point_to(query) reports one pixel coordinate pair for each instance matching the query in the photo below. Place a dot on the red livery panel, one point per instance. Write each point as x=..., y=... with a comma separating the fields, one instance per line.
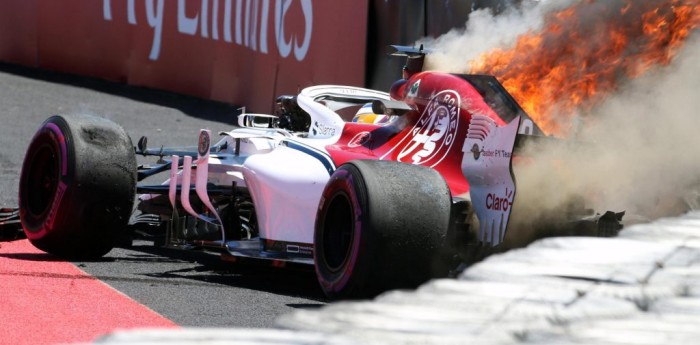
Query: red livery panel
x=431, y=135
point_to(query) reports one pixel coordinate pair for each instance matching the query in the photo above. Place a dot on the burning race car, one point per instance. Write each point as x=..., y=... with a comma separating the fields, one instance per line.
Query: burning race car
x=376, y=190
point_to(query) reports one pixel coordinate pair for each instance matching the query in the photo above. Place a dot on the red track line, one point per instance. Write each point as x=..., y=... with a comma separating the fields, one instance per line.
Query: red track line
x=46, y=301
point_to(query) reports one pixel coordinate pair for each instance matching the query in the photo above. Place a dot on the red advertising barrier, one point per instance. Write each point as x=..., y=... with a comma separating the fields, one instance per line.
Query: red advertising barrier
x=238, y=51
x=18, y=32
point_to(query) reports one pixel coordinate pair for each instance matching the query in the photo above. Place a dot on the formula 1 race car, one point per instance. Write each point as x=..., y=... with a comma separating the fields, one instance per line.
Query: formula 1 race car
x=376, y=190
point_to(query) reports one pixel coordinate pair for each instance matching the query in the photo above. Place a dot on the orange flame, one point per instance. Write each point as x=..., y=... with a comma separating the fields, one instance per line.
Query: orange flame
x=584, y=52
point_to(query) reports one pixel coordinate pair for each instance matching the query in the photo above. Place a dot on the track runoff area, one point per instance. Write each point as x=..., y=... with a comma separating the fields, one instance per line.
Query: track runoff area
x=48, y=301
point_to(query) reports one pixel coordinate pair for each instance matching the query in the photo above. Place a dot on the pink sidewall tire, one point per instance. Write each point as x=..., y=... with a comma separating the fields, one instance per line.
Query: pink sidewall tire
x=380, y=225
x=77, y=186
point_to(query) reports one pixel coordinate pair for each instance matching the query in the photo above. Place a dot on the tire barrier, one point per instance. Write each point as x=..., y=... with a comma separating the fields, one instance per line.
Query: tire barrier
x=638, y=288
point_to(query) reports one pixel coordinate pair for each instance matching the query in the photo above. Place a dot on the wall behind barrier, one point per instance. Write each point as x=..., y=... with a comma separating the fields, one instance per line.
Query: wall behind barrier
x=243, y=52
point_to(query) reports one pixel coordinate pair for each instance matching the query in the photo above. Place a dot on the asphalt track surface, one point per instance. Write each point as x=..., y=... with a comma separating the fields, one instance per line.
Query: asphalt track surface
x=169, y=288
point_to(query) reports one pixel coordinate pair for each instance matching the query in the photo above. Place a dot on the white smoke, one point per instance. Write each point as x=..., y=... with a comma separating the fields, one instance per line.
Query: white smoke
x=647, y=140
x=484, y=32
x=638, y=151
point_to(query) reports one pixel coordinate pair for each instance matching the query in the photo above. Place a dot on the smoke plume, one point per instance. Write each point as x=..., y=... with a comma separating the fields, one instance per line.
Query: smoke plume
x=635, y=144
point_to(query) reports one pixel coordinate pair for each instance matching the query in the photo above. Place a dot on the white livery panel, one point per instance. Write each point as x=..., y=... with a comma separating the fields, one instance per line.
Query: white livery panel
x=286, y=186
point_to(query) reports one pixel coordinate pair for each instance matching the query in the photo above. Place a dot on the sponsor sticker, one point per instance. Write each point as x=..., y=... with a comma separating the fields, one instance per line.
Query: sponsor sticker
x=431, y=138
x=296, y=249
x=321, y=129
x=476, y=151
x=500, y=202
x=489, y=153
x=413, y=91
x=359, y=139
x=204, y=142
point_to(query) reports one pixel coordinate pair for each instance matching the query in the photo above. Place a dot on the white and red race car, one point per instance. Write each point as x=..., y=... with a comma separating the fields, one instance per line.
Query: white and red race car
x=376, y=190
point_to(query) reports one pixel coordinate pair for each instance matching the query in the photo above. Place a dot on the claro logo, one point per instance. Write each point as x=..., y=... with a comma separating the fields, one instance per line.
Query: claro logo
x=249, y=28
x=499, y=202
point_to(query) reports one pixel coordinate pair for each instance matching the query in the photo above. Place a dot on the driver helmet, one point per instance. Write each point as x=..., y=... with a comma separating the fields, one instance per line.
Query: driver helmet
x=366, y=115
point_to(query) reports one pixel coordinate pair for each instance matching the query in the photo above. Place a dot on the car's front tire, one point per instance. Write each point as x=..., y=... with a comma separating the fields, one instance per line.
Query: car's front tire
x=77, y=186
x=380, y=225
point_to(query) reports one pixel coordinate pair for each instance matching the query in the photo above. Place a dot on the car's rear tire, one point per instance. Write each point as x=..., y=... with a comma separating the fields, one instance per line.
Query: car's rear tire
x=380, y=225
x=77, y=186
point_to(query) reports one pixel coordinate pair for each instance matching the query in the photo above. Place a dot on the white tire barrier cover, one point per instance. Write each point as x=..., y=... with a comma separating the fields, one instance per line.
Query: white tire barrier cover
x=640, y=288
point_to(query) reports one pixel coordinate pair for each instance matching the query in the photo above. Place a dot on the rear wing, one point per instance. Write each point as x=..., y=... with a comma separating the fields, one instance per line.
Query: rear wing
x=407, y=51
x=487, y=166
x=414, y=58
